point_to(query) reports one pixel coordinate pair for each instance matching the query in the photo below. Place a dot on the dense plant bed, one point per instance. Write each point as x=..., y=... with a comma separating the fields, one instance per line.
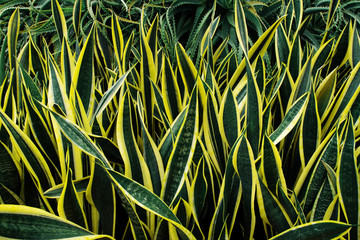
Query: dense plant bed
x=116, y=126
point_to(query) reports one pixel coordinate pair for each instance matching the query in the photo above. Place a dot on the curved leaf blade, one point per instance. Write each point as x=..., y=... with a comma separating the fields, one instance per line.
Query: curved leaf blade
x=321, y=230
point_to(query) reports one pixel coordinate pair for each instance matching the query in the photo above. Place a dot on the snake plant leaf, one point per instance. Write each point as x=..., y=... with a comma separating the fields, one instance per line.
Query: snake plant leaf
x=286, y=203
x=322, y=202
x=355, y=59
x=228, y=201
x=59, y=20
x=80, y=186
x=12, y=38
x=57, y=92
x=320, y=58
x=253, y=110
x=117, y=38
x=182, y=153
x=134, y=226
x=40, y=129
x=152, y=158
x=213, y=141
x=240, y=26
x=9, y=197
x=271, y=211
x=318, y=175
x=302, y=83
x=187, y=68
x=341, y=104
x=37, y=63
x=299, y=209
x=23, y=222
x=166, y=145
x=282, y=46
x=10, y=170
x=69, y=204
x=244, y=165
x=79, y=137
x=290, y=120
x=170, y=91
x=294, y=58
x=348, y=180
x=206, y=45
x=108, y=96
x=229, y=118
x=341, y=52
x=199, y=188
x=325, y=92
x=160, y=105
x=13, y=32
x=102, y=50
x=148, y=73
x=2, y=61
x=310, y=129
x=258, y=49
x=320, y=230
x=134, y=163
x=126, y=53
x=83, y=78
x=67, y=65
x=298, y=12
x=334, y=4
x=304, y=178
x=77, y=16
x=147, y=200
x=101, y=193
x=30, y=154
x=271, y=166
x=30, y=85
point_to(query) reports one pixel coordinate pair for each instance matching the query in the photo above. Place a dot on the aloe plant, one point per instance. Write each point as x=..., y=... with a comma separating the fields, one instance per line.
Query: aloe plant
x=128, y=141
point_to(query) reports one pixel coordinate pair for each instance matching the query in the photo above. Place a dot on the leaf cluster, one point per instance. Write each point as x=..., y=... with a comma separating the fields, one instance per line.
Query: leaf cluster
x=210, y=120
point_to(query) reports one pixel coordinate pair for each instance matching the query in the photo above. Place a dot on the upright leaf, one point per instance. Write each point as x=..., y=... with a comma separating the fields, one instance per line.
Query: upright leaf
x=187, y=68
x=69, y=204
x=244, y=164
x=348, y=181
x=12, y=37
x=253, y=110
x=182, y=153
x=240, y=26
x=30, y=154
x=271, y=166
x=229, y=118
x=83, y=77
x=129, y=150
x=59, y=20
x=310, y=130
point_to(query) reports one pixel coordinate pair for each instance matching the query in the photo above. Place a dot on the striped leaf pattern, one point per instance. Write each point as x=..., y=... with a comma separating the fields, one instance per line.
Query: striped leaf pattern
x=124, y=120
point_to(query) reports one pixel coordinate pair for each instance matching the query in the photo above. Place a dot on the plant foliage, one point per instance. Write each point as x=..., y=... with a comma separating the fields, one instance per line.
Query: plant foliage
x=244, y=121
